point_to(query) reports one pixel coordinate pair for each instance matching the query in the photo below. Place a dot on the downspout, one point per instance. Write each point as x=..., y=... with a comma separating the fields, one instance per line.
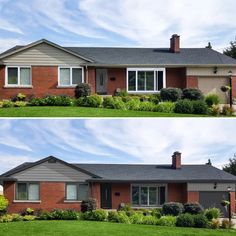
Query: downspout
x=86, y=77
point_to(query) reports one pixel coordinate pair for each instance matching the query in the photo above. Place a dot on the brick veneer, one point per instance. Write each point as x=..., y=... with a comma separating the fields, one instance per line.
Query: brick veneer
x=52, y=195
x=234, y=87
x=176, y=78
x=123, y=196
x=119, y=76
x=177, y=192
x=192, y=196
x=191, y=82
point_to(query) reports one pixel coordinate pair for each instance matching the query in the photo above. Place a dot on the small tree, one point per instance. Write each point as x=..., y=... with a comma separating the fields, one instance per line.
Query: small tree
x=231, y=50
x=209, y=45
x=231, y=167
x=209, y=162
x=3, y=205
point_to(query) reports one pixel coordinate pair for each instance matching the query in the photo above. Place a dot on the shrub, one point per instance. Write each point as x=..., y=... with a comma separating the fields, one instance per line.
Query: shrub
x=28, y=218
x=45, y=216
x=133, y=104
x=88, y=205
x=149, y=220
x=214, y=224
x=212, y=99
x=82, y=90
x=215, y=110
x=200, y=221
x=27, y=211
x=58, y=101
x=157, y=213
x=192, y=94
x=172, y=208
x=6, y=218
x=185, y=220
x=169, y=221
x=147, y=106
x=3, y=205
x=118, y=217
x=108, y=102
x=193, y=208
x=122, y=93
x=155, y=98
x=112, y=216
x=212, y=213
x=136, y=218
x=37, y=102
x=21, y=97
x=58, y=214
x=91, y=101
x=227, y=111
x=124, y=207
x=166, y=107
x=7, y=104
x=171, y=94
x=226, y=224
x=96, y=215
x=200, y=107
x=16, y=217
x=184, y=106
x=1, y=103
x=119, y=104
x=20, y=104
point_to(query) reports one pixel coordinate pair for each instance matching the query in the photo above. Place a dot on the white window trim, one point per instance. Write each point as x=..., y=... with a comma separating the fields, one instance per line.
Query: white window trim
x=18, y=85
x=146, y=185
x=69, y=67
x=155, y=70
x=27, y=201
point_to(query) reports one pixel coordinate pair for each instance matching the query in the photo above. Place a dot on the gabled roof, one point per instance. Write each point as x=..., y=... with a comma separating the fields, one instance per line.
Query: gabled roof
x=139, y=173
x=19, y=48
x=115, y=56
x=28, y=165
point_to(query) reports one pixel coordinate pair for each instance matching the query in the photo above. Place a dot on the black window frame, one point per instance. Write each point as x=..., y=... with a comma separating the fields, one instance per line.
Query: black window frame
x=27, y=191
x=77, y=190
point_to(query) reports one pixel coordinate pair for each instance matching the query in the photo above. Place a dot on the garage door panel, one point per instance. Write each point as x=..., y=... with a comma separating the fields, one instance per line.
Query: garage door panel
x=213, y=199
x=213, y=85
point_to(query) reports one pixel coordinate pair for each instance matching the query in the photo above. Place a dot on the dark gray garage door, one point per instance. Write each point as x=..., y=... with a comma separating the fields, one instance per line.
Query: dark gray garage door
x=213, y=199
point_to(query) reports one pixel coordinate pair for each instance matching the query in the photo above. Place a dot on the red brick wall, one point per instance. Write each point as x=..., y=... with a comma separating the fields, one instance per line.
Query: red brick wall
x=191, y=82
x=176, y=193
x=193, y=196
x=119, y=82
x=92, y=78
x=234, y=87
x=44, y=82
x=96, y=192
x=176, y=77
x=52, y=195
x=232, y=202
x=124, y=194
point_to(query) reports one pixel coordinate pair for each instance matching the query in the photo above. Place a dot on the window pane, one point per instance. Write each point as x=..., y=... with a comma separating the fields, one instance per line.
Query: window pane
x=12, y=76
x=131, y=81
x=152, y=196
x=76, y=75
x=83, y=192
x=159, y=82
x=25, y=76
x=135, y=195
x=64, y=76
x=162, y=195
x=150, y=80
x=71, y=191
x=21, y=191
x=33, y=192
x=141, y=81
x=144, y=195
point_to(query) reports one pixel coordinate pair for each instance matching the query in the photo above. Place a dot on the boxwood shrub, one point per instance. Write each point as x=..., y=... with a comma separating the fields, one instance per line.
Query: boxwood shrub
x=193, y=208
x=200, y=221
x=184, y=106
x=200, y=107
x=172, y=208
x=88, y=205
x=192, y=94
x=212, y=213
x=91, y=101
x=96, y=215
x=212, y=99
x=171, y=94
x=82, y=90
x=185, y=220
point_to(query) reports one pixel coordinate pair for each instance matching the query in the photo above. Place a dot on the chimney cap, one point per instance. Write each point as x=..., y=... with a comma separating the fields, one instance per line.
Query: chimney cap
x=175, y=35
x=176, y=153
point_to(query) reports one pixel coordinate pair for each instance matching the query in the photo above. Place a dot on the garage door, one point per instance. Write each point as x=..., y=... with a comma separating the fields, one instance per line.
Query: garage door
x=213, y=85
x=213, y=199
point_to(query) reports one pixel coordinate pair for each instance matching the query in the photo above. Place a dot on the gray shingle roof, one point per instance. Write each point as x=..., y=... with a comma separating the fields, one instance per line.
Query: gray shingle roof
x=188, y=173
x=153, y=56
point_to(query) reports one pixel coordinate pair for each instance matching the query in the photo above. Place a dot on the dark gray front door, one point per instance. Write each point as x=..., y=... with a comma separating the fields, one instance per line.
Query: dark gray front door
x=101, y=81
x=213, y=199
x=106, y=201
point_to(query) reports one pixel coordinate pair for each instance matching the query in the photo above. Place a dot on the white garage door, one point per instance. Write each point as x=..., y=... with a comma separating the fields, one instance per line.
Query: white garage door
x=213, y=85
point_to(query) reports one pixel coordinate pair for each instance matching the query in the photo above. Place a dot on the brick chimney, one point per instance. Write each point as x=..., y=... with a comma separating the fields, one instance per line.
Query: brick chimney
x=176, y=160
x=175, y=43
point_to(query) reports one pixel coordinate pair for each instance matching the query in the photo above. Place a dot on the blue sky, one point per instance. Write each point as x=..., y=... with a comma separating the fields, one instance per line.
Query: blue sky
x=117, y=140
x=117, y=22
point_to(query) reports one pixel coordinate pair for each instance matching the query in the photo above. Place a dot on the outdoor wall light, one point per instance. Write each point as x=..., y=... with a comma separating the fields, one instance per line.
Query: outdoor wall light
x=215, y=185
x=215, y=70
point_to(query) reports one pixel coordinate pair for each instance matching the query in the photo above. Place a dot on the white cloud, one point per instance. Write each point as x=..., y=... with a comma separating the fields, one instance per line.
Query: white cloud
x=5, y=25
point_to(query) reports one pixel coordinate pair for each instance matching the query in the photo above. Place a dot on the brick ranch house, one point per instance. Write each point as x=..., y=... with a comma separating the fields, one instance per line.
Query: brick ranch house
x=45, y=68
x=52, y=183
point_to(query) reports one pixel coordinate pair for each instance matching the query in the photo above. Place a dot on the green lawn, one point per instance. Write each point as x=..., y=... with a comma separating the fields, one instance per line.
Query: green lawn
x=86, y=228
x=80, y=112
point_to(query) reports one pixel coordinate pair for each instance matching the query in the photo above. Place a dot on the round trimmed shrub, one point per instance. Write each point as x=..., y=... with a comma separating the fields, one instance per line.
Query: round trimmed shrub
x=184, y=106
x=192, y=94
x=200, y=221
x=88, y=205
x=3, y=205
x=199, y=107
x=212, y=99
x=185, y=220
x=82, y=90
x=172, y=208
x=171, y=94
x=193, y=208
